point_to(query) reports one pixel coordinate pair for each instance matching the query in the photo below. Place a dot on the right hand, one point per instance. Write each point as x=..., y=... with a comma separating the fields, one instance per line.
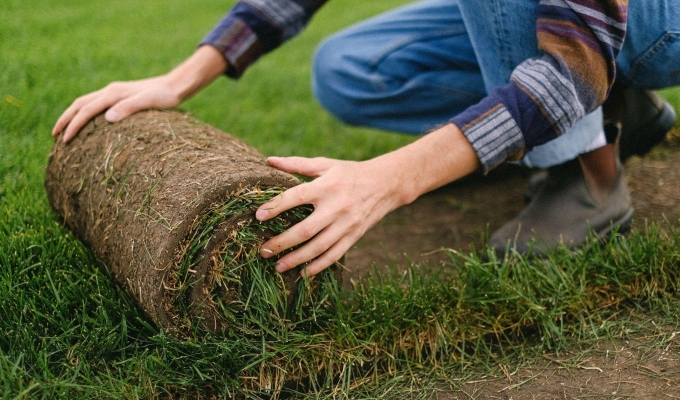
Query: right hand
x=121, y=99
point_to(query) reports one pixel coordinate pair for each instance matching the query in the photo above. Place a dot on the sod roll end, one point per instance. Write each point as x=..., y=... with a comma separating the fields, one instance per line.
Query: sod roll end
x=167, y=203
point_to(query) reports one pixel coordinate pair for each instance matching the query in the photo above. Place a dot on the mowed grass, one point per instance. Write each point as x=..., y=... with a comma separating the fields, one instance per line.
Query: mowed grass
x=67, y=331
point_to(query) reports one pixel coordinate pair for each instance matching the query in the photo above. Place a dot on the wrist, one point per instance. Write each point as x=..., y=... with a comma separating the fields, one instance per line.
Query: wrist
x=196, y=72
x=180, y=88
x=438, y=158
x=391, y=179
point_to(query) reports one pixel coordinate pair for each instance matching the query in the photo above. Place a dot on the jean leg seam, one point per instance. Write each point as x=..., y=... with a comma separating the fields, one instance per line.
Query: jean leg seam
x=653, y=50
x=501, y=32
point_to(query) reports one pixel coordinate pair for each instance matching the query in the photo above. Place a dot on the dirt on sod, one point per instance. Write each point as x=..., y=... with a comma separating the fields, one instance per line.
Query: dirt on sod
x=167, y=203
x=461, y=216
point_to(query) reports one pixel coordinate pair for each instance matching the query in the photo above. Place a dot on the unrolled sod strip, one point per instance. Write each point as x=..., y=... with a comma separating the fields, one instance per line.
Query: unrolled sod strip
x=167, y=203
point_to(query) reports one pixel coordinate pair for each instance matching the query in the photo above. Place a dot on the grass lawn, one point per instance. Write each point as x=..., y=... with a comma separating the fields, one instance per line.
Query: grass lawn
x=66, y=331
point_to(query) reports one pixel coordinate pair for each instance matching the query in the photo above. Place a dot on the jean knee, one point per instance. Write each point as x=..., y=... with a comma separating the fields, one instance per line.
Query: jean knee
x=334, y=84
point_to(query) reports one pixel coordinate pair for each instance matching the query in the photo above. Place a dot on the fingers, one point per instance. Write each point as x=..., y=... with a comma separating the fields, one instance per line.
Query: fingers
x=120, y=98
x=330, y=257
x=312, y=167
x=323, y=237
x=125, y=108
x=291, y=198
x=85, y=108
x=330, y=230
x=70, y=112
x=318, y=227
x=323, y=247
x=323, y=250
x=298, y=234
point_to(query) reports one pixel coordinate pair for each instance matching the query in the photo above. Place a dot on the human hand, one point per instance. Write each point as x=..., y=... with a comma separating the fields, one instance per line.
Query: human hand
x=348, y=198
x=121, y=99
x=125, y=98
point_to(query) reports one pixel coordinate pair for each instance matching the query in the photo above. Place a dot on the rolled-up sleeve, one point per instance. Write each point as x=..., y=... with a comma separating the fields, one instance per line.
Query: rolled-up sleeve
x=255, y=27
x=547, y=95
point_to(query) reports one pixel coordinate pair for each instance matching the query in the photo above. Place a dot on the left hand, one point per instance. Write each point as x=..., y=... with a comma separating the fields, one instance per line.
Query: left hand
x=348, y=197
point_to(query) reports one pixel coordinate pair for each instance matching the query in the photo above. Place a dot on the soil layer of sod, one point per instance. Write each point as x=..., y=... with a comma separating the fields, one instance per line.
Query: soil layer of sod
x=167, y=203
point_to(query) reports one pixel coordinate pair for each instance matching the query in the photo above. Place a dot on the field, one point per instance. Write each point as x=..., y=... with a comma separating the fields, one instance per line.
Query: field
x=601, y=322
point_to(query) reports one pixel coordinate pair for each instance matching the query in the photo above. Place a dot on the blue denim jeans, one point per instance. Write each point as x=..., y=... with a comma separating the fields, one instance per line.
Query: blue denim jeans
x=413, y=68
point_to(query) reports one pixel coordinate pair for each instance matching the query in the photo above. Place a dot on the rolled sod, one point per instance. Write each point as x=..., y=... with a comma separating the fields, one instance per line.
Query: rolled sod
x=167, y=203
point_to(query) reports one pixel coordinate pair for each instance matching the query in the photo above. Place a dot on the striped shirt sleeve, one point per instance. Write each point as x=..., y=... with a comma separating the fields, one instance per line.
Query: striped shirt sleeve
x=255, y=27
x=547, y=95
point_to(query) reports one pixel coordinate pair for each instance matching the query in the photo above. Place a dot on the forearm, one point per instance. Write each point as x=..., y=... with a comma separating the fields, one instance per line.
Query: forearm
x=443, y=156
x=196, y=72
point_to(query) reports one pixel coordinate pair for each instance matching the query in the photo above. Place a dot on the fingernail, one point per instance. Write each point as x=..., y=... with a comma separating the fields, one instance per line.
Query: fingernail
x=281, y=267
x=261, y=214
x=112, y=115
x=266, y=252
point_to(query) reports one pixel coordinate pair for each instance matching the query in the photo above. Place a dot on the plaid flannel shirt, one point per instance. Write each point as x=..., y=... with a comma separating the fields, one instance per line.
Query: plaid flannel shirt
x=545, y=96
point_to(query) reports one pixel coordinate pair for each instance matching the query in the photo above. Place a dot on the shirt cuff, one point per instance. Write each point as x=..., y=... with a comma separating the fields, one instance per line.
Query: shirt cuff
x=237, y=43
x=492, y=132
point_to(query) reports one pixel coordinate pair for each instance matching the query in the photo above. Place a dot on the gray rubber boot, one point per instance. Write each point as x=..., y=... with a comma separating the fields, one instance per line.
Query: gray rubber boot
x=642, y=118
x=565, y=211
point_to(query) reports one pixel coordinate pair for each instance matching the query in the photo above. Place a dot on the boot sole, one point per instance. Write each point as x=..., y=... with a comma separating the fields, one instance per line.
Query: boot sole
x=623, y=226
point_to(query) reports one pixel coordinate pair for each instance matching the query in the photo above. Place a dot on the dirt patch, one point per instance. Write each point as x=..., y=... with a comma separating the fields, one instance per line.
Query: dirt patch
x=613, y=370
x=460, y=216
